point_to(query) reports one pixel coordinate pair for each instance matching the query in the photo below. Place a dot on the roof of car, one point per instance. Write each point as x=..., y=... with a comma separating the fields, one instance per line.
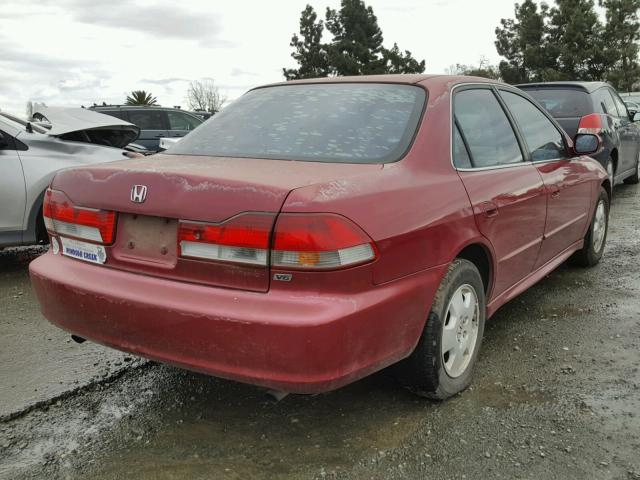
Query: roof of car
x=134, y=107
x=587, y=86
x=401, y=78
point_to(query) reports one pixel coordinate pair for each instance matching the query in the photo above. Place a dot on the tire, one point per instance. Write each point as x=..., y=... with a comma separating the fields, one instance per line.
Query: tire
x=429, y=371
x=635, y=178
x=596, y=237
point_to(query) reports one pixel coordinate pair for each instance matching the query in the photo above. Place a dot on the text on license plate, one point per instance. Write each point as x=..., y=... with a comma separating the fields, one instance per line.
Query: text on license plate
x=83, y=250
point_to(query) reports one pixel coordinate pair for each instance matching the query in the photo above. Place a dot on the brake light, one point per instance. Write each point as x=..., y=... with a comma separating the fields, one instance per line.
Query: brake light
x=63, y=218
x=242, y=239
x=319, y=241
x=591, y=124
x=300, y=241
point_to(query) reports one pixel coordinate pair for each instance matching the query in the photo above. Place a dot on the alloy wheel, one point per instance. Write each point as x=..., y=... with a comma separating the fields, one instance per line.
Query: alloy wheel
x=460, y=330
x=599, y=226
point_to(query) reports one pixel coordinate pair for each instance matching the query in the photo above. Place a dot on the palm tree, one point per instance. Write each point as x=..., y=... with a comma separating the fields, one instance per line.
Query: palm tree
x=140, y=97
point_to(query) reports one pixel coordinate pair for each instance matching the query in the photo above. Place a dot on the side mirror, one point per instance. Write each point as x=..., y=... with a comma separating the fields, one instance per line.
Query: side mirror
x=3, y=141
x=636, y=116
x=586, y=143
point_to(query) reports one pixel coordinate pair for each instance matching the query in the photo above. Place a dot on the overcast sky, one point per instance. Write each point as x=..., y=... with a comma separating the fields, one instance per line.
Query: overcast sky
x=76, y=52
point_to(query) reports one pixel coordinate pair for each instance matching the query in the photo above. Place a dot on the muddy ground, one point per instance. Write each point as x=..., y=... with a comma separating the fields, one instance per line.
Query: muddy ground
x=556, y=395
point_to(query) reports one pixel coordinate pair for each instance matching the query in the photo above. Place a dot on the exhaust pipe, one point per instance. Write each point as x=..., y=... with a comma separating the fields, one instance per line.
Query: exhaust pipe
x=276, y=395
x=78, y=339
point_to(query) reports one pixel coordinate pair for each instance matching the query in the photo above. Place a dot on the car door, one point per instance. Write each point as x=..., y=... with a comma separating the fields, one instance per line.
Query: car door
x=566, y=180
x=12, y=191
x=153, y=126
x=181, y=123
x=629, y=137
x=506, y=193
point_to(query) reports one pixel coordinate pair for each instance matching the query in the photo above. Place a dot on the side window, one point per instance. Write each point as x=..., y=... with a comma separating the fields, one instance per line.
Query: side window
x=622, y=108
x=182, y=121
x=147, y=119
x=5, y=141
x=485, y=127
x=542, y=137
x=122, y=115
x=605, y=102
x=460, y=155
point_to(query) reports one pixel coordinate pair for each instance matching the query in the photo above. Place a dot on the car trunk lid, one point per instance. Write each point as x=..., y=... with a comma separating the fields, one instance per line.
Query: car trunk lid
x=198, y=189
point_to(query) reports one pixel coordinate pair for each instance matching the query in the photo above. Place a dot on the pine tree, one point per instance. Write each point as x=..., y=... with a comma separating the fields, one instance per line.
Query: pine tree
x=576, y=40
x=355, y=49
x=309, y=51
x=522, y=41
x=621, y=36
x=398, y=62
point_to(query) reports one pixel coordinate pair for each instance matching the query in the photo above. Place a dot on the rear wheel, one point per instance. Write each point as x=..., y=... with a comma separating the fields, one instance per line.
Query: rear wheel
x=442, y=363
x=635, y=178
x=596, y=237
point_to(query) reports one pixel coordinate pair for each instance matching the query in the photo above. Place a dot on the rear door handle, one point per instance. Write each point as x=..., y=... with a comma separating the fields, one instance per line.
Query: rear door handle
x=489, y=209
x=554, y=191
x=162, y=135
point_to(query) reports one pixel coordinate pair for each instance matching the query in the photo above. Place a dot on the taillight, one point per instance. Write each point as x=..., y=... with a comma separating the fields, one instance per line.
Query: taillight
x=301, y=241
x=591, y=123
x=319, y=241
x=242, y=239
x=61, y=217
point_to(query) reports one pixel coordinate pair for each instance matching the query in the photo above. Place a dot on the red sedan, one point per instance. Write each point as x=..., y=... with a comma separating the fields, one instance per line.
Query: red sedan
x=317, y=231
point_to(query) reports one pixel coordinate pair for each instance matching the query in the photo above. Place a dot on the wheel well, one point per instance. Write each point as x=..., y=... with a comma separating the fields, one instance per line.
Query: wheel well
x=478, y=255
x=41, y=230
x=607, y=186
x=614, y=157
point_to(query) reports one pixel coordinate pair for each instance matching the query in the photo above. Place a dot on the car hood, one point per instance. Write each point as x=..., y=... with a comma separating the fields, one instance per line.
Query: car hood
x=80, y=124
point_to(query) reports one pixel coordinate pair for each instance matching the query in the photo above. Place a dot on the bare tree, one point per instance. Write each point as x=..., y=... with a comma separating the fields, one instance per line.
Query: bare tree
x=205, y=96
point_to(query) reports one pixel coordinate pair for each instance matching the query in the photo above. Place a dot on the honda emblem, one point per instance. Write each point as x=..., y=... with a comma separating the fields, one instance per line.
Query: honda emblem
x=138, y=193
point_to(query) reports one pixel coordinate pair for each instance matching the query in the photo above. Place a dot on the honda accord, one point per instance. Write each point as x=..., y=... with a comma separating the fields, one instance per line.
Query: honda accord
x=317, y=231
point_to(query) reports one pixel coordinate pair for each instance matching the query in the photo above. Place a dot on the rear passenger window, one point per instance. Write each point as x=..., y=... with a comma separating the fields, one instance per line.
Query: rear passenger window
x=542, y=137
x=605, y=102
x=147, y=119
x=116, y=113
x=486, y=129
x=460, y=155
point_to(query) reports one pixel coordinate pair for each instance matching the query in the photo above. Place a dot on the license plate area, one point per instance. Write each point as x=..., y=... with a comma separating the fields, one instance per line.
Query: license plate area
x=87, y=252
x=147, y=240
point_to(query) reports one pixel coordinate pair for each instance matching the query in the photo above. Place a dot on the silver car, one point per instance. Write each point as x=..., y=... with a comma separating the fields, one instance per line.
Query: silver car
x=32, y=152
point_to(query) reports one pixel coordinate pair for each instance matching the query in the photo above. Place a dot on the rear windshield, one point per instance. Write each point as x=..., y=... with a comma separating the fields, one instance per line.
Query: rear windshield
x=346, y=123
x=562, y=102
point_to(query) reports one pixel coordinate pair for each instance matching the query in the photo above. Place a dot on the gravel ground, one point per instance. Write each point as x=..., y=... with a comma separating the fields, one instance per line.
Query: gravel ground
x=556, y=395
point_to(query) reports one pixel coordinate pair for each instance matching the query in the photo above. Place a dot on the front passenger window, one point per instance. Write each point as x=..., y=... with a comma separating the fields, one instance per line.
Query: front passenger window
x=622, y=108
x=181, y=121
x=542, y=137
x=486, y=129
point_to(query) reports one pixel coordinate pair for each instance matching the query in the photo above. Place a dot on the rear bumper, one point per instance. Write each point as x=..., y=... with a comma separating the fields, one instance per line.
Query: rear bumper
x=301, y=343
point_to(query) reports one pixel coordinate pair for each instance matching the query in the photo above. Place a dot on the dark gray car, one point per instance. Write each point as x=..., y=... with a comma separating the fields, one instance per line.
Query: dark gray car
x=595, y=107
x=154, y=122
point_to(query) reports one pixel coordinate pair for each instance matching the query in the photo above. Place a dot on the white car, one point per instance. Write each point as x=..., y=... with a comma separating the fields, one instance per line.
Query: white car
x=31, y=152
